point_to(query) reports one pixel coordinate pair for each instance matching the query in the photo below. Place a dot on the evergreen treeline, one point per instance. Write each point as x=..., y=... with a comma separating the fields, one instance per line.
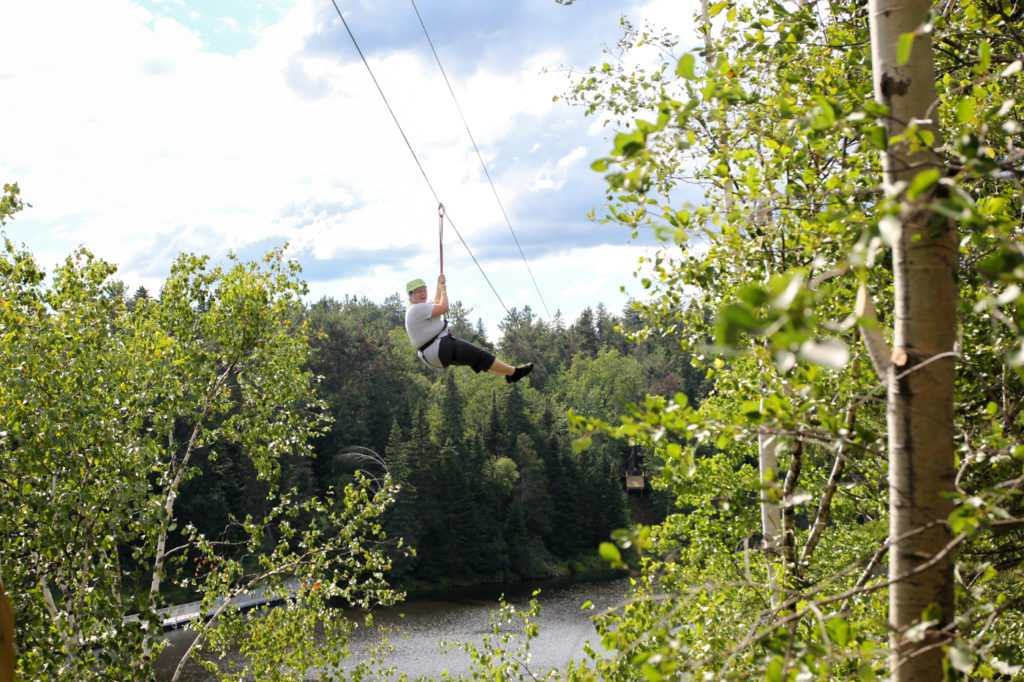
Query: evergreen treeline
x=490, y=485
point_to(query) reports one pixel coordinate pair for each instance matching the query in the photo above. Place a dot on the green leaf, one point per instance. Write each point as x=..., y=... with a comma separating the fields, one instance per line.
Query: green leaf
x=741, y=316
x=716, y=8
x=866, y=673
x=650, y=673
x=964, y=519
x=629, y=144
x=961, y=658
x=582, y=444
x=839, y=630
x=984, y=56
x=923, y=182
x=904, y=47
x=685, y=67
x=931, y=615
x=877, y=136
x=610, y=553
x=826, y=115
x=754, y=295
x=966, y=109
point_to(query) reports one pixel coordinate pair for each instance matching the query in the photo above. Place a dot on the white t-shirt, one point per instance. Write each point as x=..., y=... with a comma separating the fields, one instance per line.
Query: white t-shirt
x=421, y=328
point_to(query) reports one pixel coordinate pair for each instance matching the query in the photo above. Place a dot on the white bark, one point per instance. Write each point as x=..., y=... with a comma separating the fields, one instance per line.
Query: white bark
x=920, y=376
x=771, y=512
x=174, y=484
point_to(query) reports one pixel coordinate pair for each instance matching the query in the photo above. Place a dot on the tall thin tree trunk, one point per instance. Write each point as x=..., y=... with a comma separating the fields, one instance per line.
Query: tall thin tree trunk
x=921, y=375
x=771, y=512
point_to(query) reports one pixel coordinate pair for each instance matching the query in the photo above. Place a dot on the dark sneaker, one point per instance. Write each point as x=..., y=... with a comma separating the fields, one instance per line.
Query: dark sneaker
x=521, y=371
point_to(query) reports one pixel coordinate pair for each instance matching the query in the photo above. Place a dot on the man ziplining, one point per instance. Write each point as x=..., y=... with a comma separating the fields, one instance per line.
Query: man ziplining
x=436, y=347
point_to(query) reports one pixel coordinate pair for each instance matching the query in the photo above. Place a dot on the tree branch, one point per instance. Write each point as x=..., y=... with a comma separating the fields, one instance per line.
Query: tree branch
x=172, y=491
x=788, y=513
x=825, y=505
x=227, y=601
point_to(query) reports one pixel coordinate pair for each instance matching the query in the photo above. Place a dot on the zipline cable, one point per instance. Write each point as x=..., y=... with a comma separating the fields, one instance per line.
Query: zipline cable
x=480, y=157
x=383, y=97
x=490, y=181
x=441, y=210
x=413, y=152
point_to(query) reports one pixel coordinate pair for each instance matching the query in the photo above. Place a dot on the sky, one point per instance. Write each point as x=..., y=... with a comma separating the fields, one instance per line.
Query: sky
x=142, y=129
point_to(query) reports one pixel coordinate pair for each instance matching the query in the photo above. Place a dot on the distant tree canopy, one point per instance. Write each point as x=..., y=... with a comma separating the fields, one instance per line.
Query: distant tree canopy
x=490, y=487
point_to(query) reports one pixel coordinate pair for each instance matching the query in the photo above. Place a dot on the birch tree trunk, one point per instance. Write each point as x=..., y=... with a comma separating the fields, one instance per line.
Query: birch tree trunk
x=920, y=376
x=771, y=513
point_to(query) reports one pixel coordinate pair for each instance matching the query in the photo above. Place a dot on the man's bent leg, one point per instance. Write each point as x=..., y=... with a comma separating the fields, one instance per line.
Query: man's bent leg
x=499, y=367
x=465, y=353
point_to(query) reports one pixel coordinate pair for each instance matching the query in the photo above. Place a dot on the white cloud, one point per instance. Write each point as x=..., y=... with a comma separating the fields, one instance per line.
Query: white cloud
x=671, y=14
x=129, y=137
x=554, y=176
x=572, y=159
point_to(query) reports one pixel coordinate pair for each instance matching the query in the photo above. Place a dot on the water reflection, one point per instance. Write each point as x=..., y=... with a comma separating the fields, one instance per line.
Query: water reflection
x=462, y=616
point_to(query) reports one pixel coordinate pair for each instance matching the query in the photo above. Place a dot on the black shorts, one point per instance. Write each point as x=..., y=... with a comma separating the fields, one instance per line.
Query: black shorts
x=453, y=351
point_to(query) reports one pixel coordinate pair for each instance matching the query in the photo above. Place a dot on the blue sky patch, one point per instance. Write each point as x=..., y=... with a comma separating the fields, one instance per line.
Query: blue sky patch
x=225, y=26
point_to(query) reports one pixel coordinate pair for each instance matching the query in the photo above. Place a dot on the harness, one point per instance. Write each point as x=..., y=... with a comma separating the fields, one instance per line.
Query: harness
x=429, y=343
x=440, y=237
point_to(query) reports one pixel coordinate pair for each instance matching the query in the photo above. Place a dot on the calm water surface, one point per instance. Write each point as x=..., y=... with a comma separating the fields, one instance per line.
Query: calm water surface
x=462, y=616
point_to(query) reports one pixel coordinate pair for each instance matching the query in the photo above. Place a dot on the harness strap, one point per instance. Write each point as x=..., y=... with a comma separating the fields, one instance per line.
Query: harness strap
x=440, y=232
x=428, y=343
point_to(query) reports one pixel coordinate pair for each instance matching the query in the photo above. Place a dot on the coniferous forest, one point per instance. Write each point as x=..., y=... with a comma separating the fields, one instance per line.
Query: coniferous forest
x=491, y=487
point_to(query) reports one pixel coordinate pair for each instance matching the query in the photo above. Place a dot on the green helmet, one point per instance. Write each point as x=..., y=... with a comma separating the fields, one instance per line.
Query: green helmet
x=414, y=284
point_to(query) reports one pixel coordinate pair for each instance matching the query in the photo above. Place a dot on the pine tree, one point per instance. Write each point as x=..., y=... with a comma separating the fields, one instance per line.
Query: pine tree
x=451, y=428
x=583, y=334
x=538, y=508
x=404, y=519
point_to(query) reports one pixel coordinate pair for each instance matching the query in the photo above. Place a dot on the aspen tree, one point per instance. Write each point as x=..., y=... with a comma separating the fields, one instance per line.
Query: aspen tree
x=920, y=372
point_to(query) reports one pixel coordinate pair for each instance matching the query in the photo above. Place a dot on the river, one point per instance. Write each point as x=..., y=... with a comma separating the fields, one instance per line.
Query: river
x=462, y=616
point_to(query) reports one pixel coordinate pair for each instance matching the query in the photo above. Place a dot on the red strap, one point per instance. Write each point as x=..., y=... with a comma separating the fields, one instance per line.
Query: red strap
x=440, y=232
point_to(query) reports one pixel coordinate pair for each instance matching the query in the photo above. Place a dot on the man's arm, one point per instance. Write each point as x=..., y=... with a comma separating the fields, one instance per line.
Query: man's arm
x=441, y=298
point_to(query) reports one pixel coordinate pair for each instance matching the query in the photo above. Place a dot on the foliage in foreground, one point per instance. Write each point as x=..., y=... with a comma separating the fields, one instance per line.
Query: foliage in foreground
x=775, y=119
x=105, y=411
